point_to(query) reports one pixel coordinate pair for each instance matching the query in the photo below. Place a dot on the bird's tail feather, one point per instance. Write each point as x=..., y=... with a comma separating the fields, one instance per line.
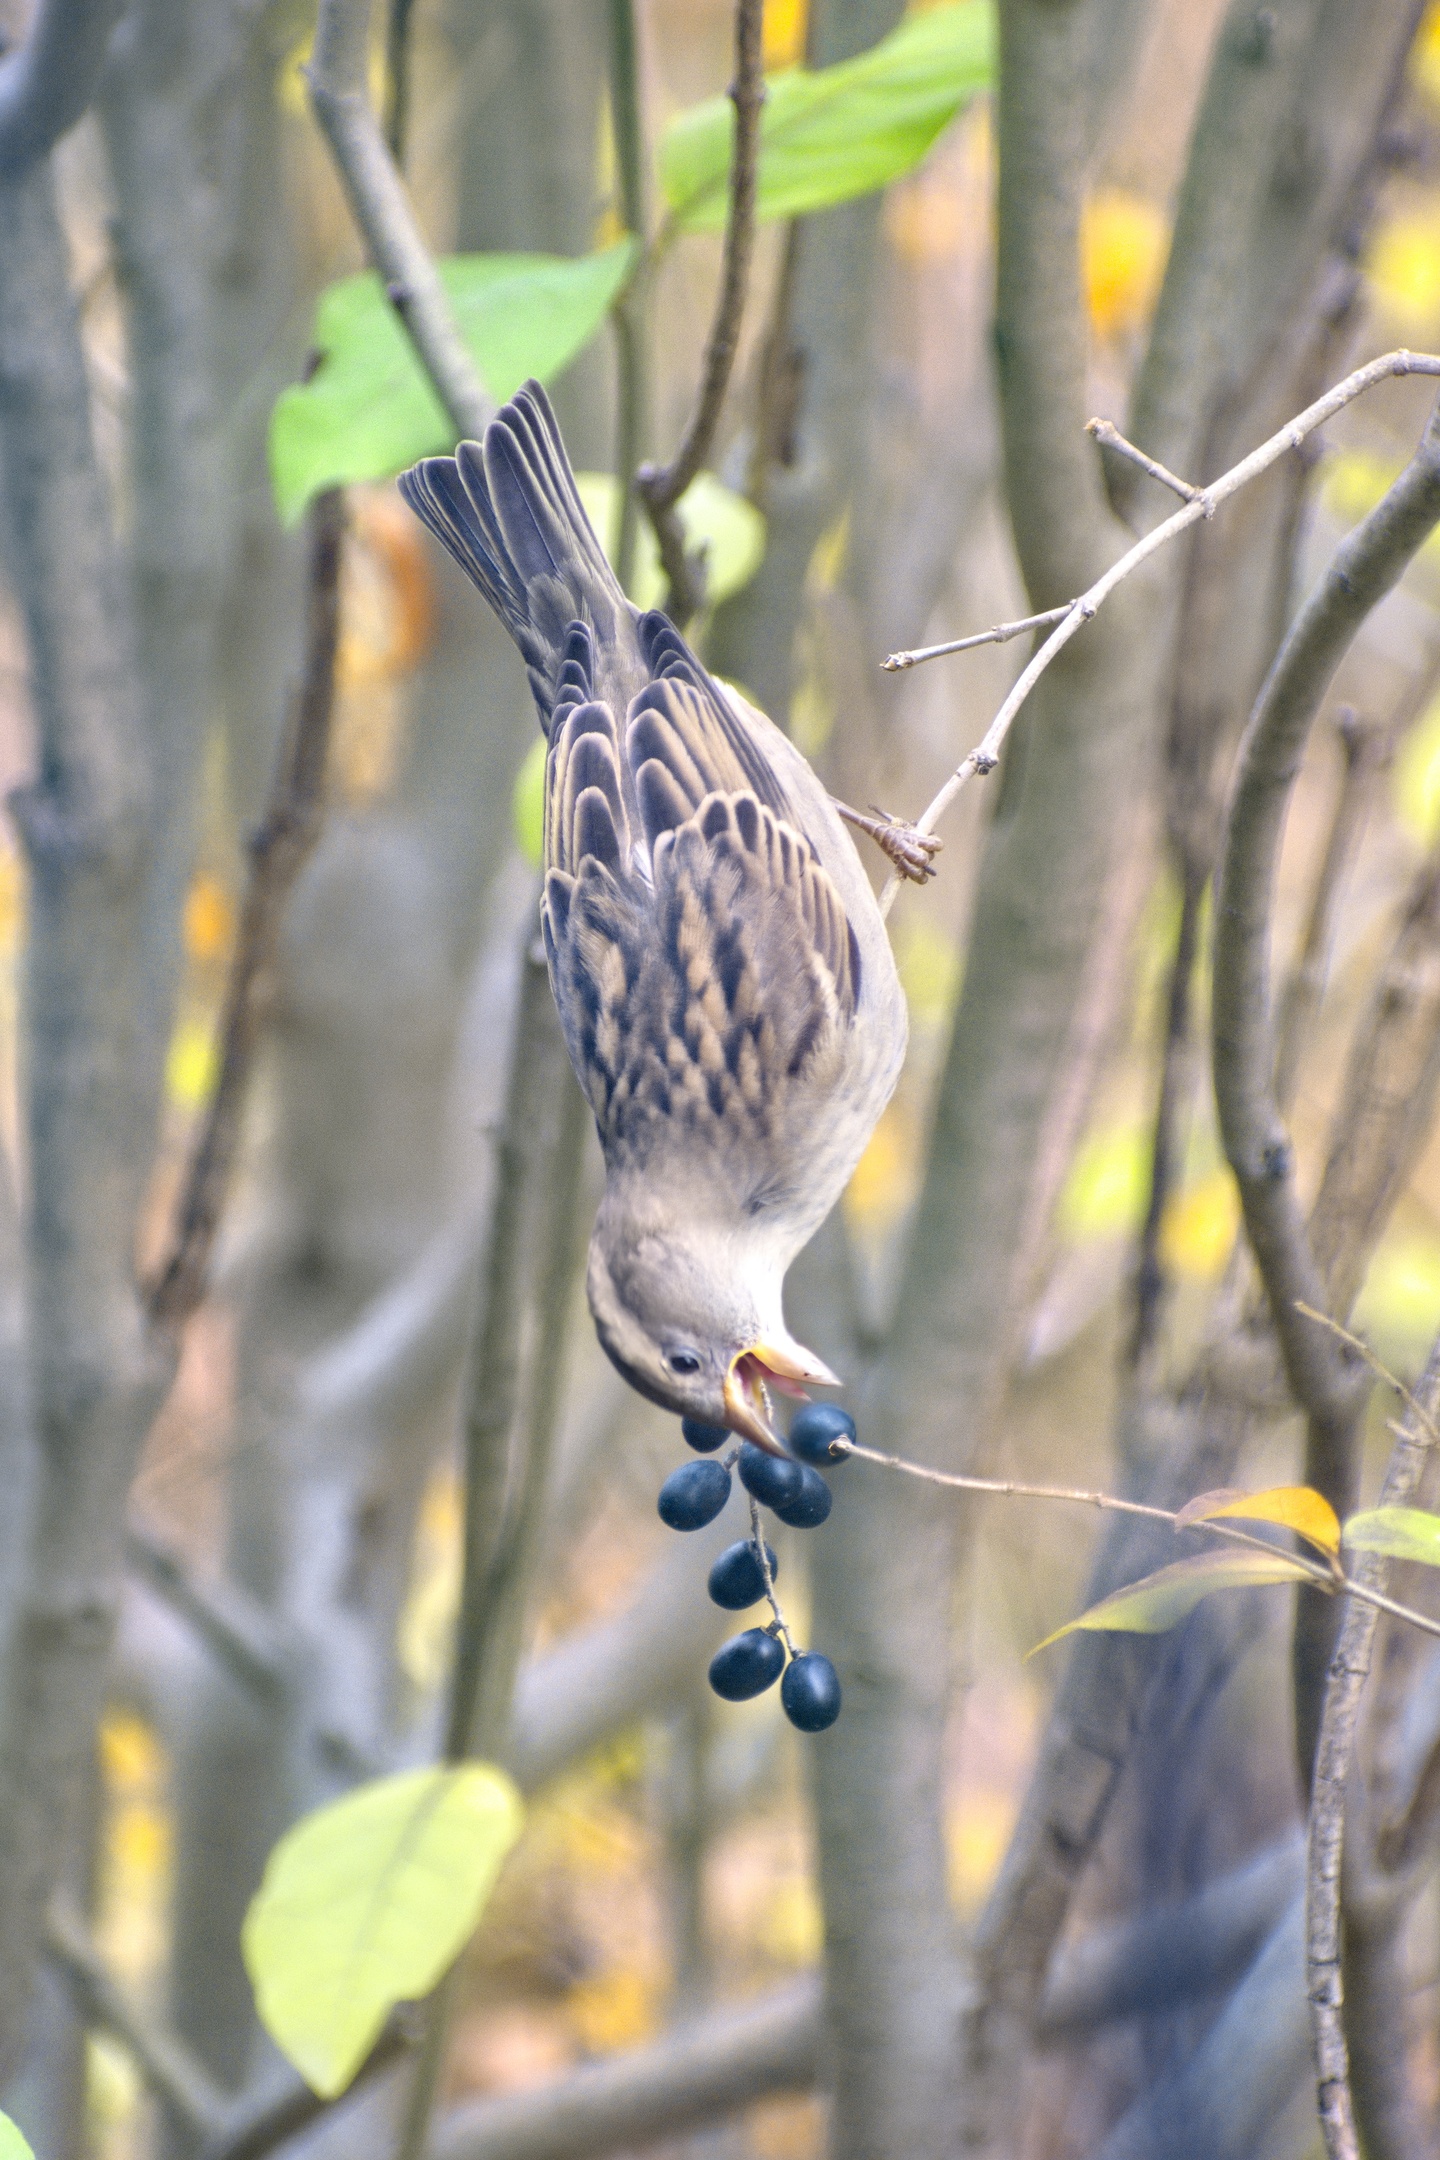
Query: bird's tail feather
x=509, y=512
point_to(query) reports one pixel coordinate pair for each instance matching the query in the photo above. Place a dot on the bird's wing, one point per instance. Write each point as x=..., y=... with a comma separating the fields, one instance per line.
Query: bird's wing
x=704, y=966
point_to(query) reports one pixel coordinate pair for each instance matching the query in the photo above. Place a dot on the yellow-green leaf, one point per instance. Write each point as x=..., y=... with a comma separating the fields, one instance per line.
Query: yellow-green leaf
x=830, y=134
x=1160, y=1601
x=366, y=1903
x=13, y=2142
x=713, y=517
x=368, y=410
x=1401, y=1533
x=1294, y=1507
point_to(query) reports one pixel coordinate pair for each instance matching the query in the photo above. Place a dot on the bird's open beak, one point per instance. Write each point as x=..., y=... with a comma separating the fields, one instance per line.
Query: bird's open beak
x=785, y=1366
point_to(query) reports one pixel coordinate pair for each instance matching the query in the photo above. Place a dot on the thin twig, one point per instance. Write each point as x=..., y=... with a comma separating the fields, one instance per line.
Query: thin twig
x=165, y=2062
x=998, y=634
x=1108, y=436
x=397, y=78
x=630, y=316
x=661, y=486
x=238, y=1629
x=278, y=851
x=1339, y=1714
x=1362, y=1349
x=762, y=1554
x=985, y=756
x=340, y=98
x=253, y=2128
x=1149, y=1268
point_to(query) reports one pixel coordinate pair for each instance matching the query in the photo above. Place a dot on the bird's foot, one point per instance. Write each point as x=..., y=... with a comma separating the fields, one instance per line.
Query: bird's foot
x=910, y=850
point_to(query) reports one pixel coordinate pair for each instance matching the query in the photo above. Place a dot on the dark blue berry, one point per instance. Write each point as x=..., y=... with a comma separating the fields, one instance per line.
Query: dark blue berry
x=810, y=1693
x=746, y=1665
x=703, y=1438
x=737, y=1578
x=817, y=1430
x=811, y=1504
x=773, y=1479
x=694, y=1495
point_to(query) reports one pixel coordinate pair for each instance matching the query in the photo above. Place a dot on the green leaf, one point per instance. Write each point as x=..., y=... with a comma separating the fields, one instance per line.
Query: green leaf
x=830, y=134
x=1160, y=1601
x=1401, y=1533
x=1293, y=1507
x=365, y=1904
x=368, y=410
x=731, y=531
x=527, y=804
x=13, y=2142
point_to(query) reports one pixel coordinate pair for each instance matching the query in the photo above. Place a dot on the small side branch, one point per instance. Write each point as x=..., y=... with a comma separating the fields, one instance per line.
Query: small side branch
x=279, y=850
x=998, y=634
x=986, y=755
x=660, y=487
x=381, y=208
x=1108, y=436
x=164, y=2061
x=235, y=1627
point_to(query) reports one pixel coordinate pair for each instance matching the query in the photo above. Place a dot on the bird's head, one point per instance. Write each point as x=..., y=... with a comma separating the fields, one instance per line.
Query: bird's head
x=693, y=1321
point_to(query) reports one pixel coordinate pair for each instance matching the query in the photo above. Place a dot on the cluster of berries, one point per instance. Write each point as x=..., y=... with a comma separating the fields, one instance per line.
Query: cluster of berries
x=745, y=1572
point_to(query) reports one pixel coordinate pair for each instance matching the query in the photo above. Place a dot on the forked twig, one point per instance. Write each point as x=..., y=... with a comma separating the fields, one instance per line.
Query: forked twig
x=986, y=754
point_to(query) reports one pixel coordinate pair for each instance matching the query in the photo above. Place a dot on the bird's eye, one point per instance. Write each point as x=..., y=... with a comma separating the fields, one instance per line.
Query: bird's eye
x=683, y=1363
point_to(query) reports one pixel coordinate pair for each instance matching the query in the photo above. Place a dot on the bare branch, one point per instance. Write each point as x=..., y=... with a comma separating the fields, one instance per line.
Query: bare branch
x=702, y=2071
x=381, y=208
x=1339, y=1715
x=1327, y=1382
x=629, y=318
x=46, y=86
x=279, y=850
x=251, y=2129
x=167, y=2065
x=235, y=1627
x=1171, y=1953
x=1001, y=634
x=661, y=486
x=1108, y=436
x=985, y=756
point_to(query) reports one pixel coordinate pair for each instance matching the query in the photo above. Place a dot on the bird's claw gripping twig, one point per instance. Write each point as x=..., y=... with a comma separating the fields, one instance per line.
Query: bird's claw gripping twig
x=910, y=850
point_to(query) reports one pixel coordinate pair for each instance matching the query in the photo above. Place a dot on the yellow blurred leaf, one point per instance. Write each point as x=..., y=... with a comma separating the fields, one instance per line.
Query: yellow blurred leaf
x=930, y=965
x=977, y=1835
x=1199, y=1225
x=1425, y=55
x=192, y=1064
x=617, y=2009
x=1162, y=1600
x=131, y=1758
x=1109, y=1184
x=1415, y=777
x=883, y=1182
x=1403, y=263
x=1124, y=240
x=1399, y=1306
x=427, y=1619
x=208, y=922
x=730, y=531
x=1293, y=1507
x=792, y=1927
x=783, y=34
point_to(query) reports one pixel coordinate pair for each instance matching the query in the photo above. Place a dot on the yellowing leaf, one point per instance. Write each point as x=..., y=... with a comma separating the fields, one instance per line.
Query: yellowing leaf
x=1160, y=1601
x=365, y=1904
x=783, y=33
x=1197, y=1231
x=1401, y=1533
x=1124, y=240
x=1425, y=56
x=616, y=2009
x=13, y=2143
x=192, y=1064
x=1293, y=1507
x=208, y=923
x=731, y=531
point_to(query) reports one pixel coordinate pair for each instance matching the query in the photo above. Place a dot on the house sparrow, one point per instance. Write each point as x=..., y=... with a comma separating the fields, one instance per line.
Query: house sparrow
x=723, y=976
